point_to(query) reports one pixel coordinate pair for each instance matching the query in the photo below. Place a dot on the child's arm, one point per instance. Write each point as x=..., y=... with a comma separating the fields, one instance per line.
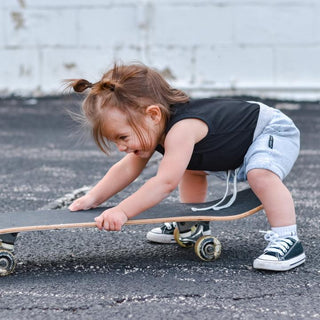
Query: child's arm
x=179, y=145
x=119, y=176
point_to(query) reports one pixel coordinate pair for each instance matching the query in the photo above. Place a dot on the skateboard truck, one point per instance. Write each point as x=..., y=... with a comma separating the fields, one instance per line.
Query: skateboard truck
x=196, y=233
x=207, y=248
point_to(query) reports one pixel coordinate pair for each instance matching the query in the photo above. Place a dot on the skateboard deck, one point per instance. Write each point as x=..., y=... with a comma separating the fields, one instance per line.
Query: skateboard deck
x=245, y=205
x=206, y=247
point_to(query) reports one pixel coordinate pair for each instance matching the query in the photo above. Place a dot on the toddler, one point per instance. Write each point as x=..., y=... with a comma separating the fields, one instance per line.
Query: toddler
x=133, y=107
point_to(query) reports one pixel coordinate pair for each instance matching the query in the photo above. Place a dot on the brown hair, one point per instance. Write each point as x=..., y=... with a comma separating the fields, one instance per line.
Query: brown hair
x=129, y=88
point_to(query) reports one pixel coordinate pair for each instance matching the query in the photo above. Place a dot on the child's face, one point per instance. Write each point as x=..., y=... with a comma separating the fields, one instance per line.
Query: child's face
x=117, y=129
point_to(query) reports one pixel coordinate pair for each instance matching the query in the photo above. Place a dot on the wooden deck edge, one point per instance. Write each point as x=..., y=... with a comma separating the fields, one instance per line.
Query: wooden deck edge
x=132, y=222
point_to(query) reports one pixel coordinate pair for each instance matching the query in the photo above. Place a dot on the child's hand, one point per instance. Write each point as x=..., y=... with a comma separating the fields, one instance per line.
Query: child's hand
x=84, y=203
x=112, y=219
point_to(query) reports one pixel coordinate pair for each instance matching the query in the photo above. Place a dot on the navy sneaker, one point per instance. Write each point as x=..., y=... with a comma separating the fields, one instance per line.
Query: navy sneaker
x=165, y=233
x=281, y=254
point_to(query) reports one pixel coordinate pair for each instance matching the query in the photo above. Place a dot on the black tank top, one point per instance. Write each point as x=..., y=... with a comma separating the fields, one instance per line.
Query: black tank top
x=231, y=125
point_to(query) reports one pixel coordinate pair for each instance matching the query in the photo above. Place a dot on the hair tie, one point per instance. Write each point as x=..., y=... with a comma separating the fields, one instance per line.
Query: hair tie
x=108, y=85
x=112, y=86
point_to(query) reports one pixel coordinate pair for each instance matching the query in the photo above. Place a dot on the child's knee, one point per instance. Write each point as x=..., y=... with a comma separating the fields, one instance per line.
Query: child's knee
x=260, y=179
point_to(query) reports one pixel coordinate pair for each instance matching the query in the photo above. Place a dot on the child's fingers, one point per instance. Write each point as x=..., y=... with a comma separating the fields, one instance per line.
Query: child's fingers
x=77, y=205
x=110, y=221
x=80, y=204
x=100, y=222
x=117, y=226
x=74, y=206
x=105, y=224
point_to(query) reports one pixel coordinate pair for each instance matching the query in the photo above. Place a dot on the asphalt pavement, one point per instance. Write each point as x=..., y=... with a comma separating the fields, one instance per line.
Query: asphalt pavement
x=46, y=161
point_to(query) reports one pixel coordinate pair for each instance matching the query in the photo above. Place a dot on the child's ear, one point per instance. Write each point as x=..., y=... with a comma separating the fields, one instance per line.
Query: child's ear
x=154, y=113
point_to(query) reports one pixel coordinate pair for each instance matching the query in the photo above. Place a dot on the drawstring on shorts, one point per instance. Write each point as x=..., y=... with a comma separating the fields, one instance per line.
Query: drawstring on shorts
x=218, y=205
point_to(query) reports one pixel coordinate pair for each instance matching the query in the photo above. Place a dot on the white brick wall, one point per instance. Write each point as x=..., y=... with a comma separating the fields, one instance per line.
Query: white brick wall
x=212, y=47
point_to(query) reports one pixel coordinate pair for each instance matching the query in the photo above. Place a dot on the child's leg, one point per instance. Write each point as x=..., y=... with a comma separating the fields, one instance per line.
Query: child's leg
x=284, y=250
x=275, y=197
x=193, y=187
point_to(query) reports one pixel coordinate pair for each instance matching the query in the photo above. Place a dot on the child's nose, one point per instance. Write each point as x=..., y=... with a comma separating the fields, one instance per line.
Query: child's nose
x=121, y=148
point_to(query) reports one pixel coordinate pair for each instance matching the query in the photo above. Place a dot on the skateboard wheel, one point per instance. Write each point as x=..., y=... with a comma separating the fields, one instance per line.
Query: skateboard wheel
x=208, y=248
x=178, y=240
x=7, y=262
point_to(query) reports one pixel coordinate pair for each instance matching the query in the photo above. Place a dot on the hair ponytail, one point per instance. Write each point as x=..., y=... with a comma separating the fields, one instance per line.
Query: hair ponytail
x=78, y=85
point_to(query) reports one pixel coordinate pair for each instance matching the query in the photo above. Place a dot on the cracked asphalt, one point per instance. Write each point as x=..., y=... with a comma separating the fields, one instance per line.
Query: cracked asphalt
x=86, y=274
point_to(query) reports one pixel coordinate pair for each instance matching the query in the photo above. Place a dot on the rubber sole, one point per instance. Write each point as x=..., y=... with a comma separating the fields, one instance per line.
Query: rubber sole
x=272, y=265
x=160, y=238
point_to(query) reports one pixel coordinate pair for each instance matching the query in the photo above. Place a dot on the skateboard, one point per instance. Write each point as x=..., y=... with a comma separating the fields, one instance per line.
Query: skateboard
x=206, y=247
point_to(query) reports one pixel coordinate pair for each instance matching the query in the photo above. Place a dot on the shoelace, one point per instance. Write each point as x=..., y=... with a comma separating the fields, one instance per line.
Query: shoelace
x=169, y=225
x=218, y=205
x=276, y=244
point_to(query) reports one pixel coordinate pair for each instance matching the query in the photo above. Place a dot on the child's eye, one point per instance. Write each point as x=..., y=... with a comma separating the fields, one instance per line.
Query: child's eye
x=123, y=138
